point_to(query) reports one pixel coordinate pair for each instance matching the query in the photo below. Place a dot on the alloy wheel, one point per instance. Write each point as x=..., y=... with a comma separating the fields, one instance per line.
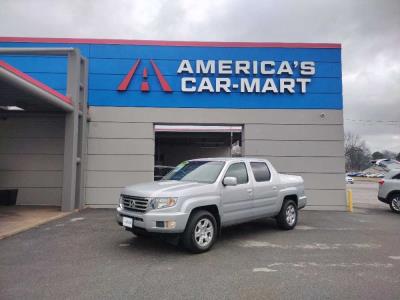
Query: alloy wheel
x=204, y=232
x=290, y=215
x=396, y=203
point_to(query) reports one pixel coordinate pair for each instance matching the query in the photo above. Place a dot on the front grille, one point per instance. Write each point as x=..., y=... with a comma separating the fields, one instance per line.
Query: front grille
x=134, y=203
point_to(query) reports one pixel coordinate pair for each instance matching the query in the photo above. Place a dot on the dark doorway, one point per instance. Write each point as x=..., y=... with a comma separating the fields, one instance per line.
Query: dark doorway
x=177, y=143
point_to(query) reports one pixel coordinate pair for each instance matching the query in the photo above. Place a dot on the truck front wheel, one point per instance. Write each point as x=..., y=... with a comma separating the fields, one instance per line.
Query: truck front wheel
x=201, y=232
x=287, y=218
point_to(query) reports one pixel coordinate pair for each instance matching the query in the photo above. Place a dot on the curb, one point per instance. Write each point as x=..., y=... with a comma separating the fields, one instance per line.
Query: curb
x=61, y=215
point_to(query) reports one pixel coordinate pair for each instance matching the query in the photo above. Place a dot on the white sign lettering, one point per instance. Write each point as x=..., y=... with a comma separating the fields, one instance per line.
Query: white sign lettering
x=266, y=76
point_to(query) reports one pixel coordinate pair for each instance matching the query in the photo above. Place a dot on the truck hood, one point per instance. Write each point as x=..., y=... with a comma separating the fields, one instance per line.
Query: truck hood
x=164, y=188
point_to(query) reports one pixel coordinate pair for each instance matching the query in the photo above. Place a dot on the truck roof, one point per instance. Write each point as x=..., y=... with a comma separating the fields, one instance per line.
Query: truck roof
x=229, y=159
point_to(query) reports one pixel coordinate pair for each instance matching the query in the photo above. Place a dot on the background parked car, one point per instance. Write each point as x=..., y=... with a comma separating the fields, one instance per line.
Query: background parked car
x=387, y=163
x=353, y=174
x=349, y=180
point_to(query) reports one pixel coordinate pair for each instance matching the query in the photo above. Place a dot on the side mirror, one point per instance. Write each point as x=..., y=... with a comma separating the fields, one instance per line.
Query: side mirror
x=229, y=181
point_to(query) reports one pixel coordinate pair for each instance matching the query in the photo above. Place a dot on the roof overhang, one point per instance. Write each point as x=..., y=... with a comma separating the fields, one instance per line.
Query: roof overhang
x=169, y=43
x=19, y=89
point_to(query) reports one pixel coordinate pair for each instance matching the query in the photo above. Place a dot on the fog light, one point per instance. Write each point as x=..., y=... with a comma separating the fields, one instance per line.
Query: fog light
x=170, y=224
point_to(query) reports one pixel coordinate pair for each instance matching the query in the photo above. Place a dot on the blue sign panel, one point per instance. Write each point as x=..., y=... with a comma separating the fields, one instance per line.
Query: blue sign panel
x=196, y=76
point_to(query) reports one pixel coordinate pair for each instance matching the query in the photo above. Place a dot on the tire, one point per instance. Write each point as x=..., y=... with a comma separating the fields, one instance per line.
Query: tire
x=394, y=203
x=197, y=238
x=287, y=218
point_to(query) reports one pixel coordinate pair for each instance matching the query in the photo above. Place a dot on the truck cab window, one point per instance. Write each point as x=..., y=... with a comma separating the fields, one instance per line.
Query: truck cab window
x=239, y=171
x=260, y=171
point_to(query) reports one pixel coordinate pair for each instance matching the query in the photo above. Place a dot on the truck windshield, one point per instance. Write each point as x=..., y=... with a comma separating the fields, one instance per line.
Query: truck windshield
x=199, y=171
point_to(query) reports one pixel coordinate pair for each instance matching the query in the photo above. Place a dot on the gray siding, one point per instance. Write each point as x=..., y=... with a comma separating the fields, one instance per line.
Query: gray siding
x=116, y=130
x=308, y=164
x=120, y=153
x=121, y=147
x=294, y=148
x=217, y=116
x=31, y=157
x=294, y=132
x=102, y=197
x=120, y=162
x=111, y=179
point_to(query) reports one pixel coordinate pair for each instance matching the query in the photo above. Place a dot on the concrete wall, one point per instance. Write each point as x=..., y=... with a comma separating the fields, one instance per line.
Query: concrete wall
x=121, y=147
x=31, y=157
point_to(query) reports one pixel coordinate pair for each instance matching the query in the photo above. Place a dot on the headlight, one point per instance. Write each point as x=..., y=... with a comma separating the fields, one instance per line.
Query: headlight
x=157, y=203
x=120, y=201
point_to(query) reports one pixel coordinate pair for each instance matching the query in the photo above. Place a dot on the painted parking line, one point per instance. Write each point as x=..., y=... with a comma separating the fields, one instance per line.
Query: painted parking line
x=267, y=270
x=395, y=257
x=281, y=266
x=312, y=246
x=305, y=228
x=77, y=219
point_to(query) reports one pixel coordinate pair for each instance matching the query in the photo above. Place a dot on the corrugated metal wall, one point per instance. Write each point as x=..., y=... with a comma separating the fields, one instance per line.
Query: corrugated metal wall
x=31, y=157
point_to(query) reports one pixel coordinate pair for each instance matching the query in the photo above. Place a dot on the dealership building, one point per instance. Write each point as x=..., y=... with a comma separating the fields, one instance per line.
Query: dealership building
x=82, y=118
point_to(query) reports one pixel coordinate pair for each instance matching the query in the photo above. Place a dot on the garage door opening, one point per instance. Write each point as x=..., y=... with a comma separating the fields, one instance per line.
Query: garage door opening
x=176, y=143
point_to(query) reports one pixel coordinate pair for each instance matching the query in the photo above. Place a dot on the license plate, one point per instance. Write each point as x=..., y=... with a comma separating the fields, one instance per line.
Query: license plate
x=127, y=222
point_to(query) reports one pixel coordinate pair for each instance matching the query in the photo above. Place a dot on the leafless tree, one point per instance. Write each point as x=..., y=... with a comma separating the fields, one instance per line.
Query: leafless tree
x=357, y=154
x=389, y=154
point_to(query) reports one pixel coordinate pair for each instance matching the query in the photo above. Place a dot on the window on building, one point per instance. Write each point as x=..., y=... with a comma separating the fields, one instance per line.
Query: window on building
x=260, y=171
x=239, y=171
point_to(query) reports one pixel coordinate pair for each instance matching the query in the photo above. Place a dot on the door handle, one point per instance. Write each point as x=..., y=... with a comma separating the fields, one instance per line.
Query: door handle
x=274, y=188
x=250, y=190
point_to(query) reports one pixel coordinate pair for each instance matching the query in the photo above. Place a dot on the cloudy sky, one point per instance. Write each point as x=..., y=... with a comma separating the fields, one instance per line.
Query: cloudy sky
x=369, y=32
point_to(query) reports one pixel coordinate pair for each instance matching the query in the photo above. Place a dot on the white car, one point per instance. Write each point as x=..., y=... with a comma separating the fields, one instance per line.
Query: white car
x=349, y=180
x=389, y=190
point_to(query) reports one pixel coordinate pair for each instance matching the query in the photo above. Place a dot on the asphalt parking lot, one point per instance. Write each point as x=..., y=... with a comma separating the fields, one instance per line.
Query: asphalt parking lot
x=330, y=255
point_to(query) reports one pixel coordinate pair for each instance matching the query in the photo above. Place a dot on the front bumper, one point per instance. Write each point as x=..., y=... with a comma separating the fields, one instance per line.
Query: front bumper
x=148, y=221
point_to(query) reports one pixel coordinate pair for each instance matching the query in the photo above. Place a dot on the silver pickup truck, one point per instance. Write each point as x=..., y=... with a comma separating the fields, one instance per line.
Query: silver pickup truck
x=199, y=197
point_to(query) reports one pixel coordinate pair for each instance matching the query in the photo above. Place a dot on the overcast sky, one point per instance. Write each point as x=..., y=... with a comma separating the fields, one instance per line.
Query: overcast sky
x=369, y=32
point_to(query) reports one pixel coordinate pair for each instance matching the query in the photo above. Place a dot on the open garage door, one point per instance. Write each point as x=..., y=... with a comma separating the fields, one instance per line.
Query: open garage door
x=176, y=143
x=42, y=133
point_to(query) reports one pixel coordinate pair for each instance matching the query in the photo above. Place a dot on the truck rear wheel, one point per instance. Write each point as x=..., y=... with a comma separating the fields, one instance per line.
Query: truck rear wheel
x=394, y=203
x=201, y=232
x=287, y=218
